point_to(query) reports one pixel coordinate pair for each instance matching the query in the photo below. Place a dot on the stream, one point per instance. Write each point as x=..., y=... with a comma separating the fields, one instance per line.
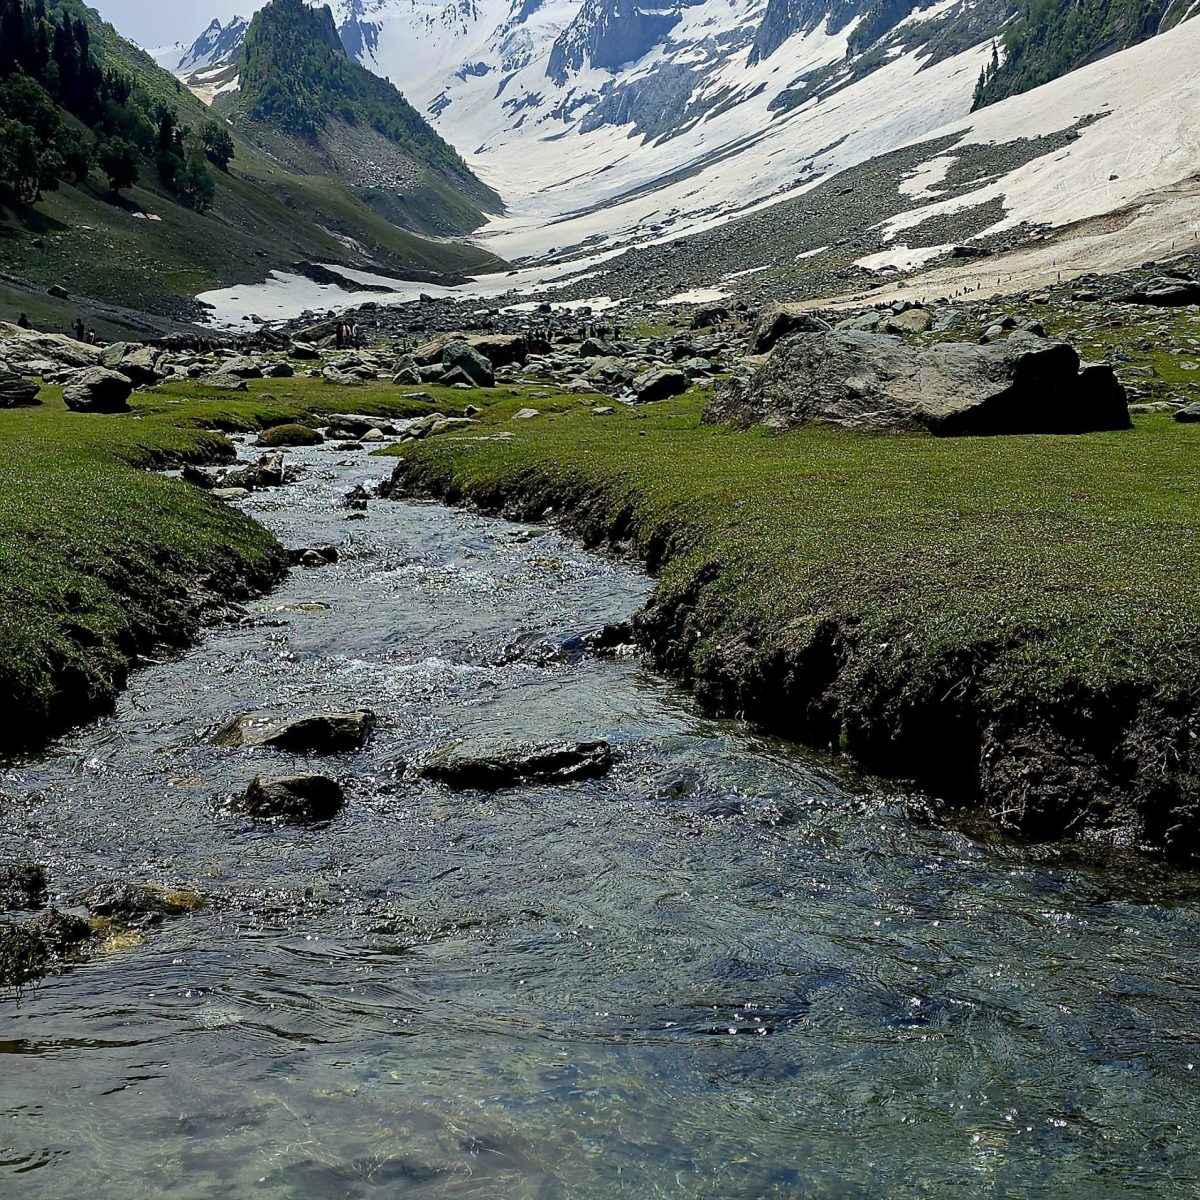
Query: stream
x=727, y=970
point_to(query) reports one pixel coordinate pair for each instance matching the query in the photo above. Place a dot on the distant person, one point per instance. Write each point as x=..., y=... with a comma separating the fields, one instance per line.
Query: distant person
x=340, y=336
x=23, y=322
x=92, y=339
x=78, y=330
x=356, y=336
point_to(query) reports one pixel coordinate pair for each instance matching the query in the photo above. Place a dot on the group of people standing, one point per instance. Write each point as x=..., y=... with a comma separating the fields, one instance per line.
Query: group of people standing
x=81, y=334
x=349, y=336
x=79, y=331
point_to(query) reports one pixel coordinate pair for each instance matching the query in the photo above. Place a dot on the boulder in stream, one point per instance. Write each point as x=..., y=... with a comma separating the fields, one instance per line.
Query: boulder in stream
x=510, y=766
x=299, y=798
x=28, y=951
x=135, y=905
x=22, y=886
x=268, y=472
x=324, y=733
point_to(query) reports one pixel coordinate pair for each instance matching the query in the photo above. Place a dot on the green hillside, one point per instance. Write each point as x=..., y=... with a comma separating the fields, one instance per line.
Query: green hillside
x=306, y=103
x=1048, y=38
x=255, y=215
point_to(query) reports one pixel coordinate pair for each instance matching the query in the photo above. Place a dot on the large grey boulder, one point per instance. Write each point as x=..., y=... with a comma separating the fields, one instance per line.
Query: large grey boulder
x=341, y=378
x=98, y=390
x=222, y=382
x=500, y=349
x=142, y=364
x=912, y=320
x=778, y=321
x=243, y=367
x=461, y=358
x=594, y=347
x=870, y=381
x=19, y=345
x=610, y=372
x=15, y=390
x=660, y=383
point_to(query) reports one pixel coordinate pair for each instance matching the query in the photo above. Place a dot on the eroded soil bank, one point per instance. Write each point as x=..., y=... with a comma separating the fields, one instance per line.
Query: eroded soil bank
x=1002, y=628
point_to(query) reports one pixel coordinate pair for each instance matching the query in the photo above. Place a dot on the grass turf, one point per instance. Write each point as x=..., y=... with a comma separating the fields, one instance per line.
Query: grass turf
x=975, y=581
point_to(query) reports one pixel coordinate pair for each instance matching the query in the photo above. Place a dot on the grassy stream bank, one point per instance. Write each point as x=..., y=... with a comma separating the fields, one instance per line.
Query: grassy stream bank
x=1012, y=622
x=102, y=560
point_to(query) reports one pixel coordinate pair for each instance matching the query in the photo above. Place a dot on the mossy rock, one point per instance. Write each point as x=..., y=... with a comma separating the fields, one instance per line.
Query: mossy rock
x=290, y=435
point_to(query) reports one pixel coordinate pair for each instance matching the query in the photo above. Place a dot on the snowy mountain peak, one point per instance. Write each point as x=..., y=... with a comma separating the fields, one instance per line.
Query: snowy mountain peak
x=218, y=46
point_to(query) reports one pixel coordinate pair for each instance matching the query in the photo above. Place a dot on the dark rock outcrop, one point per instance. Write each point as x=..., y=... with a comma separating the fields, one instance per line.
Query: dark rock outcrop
x=710, y=317
x=1166, y=294
x=873, y=382
x=607, y=34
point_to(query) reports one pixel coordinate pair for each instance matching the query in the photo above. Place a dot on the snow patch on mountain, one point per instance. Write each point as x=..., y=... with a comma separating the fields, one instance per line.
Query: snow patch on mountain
x=1147, y=139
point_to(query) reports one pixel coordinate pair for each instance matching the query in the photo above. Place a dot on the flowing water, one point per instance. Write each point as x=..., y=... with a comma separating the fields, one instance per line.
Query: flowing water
x=725, y=971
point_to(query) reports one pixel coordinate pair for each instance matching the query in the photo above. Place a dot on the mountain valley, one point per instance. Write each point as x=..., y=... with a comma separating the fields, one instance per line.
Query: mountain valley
x=600, y=599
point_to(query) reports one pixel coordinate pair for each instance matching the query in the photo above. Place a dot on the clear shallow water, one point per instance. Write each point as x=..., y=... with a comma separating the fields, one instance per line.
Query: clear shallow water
x=718, y=973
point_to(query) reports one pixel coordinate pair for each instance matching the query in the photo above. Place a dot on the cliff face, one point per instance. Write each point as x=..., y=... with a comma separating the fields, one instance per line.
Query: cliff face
x=786, y=17
x=608, y=34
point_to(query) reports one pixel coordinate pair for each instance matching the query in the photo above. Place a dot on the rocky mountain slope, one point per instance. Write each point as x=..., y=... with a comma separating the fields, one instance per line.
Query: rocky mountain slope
x=217, y=46
x=610, y=122
x=301, y=99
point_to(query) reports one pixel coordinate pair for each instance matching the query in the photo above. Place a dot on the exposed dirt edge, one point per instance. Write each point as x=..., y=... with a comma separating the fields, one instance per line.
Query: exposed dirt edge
x=168, y=614
x=1121, y=766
